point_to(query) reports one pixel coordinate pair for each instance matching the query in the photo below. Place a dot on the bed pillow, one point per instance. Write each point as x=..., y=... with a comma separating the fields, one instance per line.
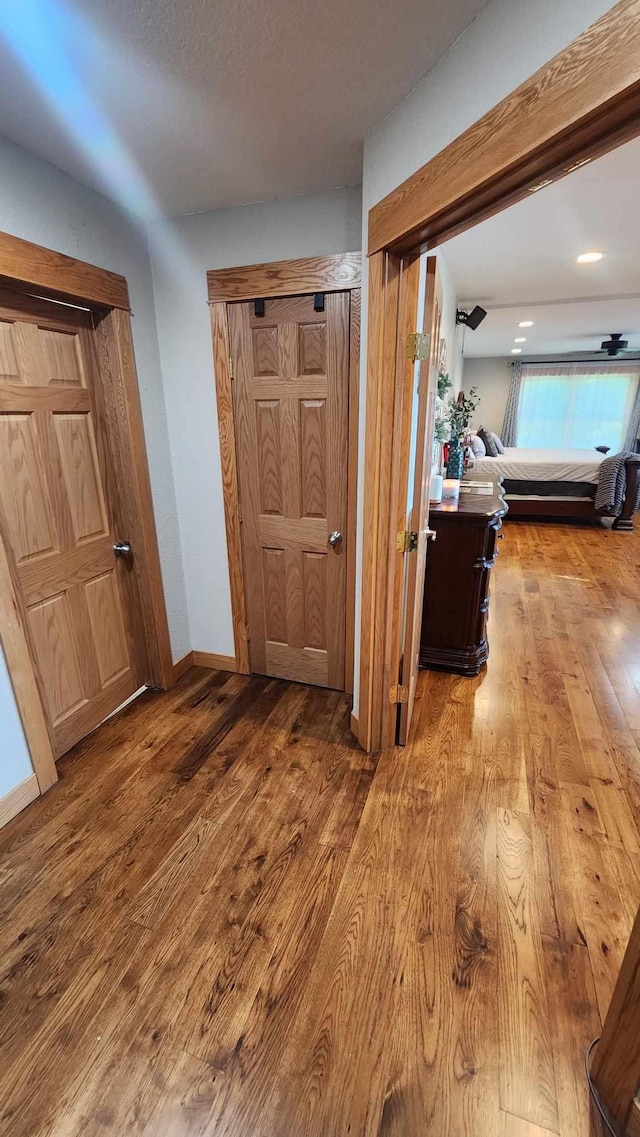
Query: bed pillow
x=478, y=448
x=489, y=444
x=498, y=442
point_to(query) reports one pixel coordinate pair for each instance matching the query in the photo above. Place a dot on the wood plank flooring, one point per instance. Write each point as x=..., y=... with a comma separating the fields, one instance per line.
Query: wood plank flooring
x=226, y=919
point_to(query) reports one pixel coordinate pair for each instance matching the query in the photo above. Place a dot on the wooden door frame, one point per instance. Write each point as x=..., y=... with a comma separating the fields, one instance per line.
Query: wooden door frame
x=615, y=1068
x=582, y=104
x=339, y=272
x=32, y=269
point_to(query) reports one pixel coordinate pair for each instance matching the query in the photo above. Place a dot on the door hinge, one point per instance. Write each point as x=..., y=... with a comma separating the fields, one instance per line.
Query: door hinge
x=407, y=541
x=418, y=346
x=398, y=694
x=231, y=366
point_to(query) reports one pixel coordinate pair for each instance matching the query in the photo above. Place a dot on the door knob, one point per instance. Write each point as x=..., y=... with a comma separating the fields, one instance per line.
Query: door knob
x=335, y=538
x=122, y=549
x=430, y=534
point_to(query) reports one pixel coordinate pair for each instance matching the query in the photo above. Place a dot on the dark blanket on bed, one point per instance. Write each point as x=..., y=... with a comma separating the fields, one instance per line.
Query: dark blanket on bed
x=549, y=489
x=612, y=484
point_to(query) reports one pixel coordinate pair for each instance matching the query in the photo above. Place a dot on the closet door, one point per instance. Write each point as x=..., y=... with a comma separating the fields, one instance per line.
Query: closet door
x=290, y=368
x=59, y=522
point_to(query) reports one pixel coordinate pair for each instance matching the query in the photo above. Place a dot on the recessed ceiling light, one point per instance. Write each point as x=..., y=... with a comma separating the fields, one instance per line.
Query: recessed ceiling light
x=589, y=258
x=525, y=324
x=520, y=339
x=516, y=351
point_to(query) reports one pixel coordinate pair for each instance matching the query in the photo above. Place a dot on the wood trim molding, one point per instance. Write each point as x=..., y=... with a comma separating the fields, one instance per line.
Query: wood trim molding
x=390, y=649
x=182, y=666
x=23, y=678
x=339, y=272
x=384, y=278
x=388, y=432
x=352, y=486
x=633, y=1128
x=18, y=798
x=582, y=103
x=205, y=659
x=616, y=1063
x=60, y=275
x=118, y=362
x=216, y=662
x=230, y=492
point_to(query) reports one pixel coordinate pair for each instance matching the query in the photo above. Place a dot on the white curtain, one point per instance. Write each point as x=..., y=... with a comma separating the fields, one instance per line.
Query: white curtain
x=568, y=405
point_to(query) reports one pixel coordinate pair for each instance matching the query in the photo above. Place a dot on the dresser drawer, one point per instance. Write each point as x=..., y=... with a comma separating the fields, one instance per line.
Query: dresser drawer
x=456, y=598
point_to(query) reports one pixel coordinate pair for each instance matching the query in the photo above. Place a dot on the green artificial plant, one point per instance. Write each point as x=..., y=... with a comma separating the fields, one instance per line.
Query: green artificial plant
x=461, y=412
x=444, y=384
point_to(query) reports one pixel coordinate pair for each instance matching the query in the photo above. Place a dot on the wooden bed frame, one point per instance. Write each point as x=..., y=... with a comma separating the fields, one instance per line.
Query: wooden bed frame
x=580, y=507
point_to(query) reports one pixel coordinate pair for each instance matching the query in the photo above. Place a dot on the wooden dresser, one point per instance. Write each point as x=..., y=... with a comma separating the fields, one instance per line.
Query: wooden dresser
x=456, y=593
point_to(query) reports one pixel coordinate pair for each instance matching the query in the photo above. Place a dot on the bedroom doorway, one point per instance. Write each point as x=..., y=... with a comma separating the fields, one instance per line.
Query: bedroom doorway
x=553, y=366
x=535, y=355
x=583, y=104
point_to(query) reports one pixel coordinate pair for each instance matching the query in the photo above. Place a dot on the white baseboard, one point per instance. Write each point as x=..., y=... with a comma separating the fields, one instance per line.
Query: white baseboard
x=17, y=798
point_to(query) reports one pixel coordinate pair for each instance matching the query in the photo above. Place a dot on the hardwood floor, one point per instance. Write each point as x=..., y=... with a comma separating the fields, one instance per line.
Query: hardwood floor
x=226, y=919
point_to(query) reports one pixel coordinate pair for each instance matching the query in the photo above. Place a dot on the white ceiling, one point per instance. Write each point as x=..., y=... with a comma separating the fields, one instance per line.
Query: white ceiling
x=519, y=262
x=557, y=329
x=176, y=106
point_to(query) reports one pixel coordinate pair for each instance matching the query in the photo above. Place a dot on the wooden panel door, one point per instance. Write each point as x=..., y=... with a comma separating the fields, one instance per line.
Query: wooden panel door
x=291, y=406
x=418, y=504
x=58, y=518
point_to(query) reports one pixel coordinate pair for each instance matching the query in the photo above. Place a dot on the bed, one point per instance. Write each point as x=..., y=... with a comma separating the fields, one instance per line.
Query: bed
x=553, y=483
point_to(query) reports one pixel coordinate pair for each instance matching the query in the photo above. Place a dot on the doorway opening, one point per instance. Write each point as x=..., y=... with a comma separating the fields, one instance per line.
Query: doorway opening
x=563, y=116
x=582, y=105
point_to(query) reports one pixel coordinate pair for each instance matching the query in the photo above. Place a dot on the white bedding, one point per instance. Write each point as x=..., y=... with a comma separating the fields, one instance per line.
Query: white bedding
x=519, y=464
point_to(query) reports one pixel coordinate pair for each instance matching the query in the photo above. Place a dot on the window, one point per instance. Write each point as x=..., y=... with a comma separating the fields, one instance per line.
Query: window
x=573, y=409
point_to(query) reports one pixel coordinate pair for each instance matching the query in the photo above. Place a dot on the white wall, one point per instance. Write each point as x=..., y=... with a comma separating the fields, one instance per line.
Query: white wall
x=451, y=331
x=492, y=377
x=41, y=204
x=15, y=763
x=503, y=46
x=309, y=225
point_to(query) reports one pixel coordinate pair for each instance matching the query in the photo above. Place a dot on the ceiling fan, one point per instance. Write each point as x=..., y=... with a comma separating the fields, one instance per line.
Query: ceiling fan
x=615, y=344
